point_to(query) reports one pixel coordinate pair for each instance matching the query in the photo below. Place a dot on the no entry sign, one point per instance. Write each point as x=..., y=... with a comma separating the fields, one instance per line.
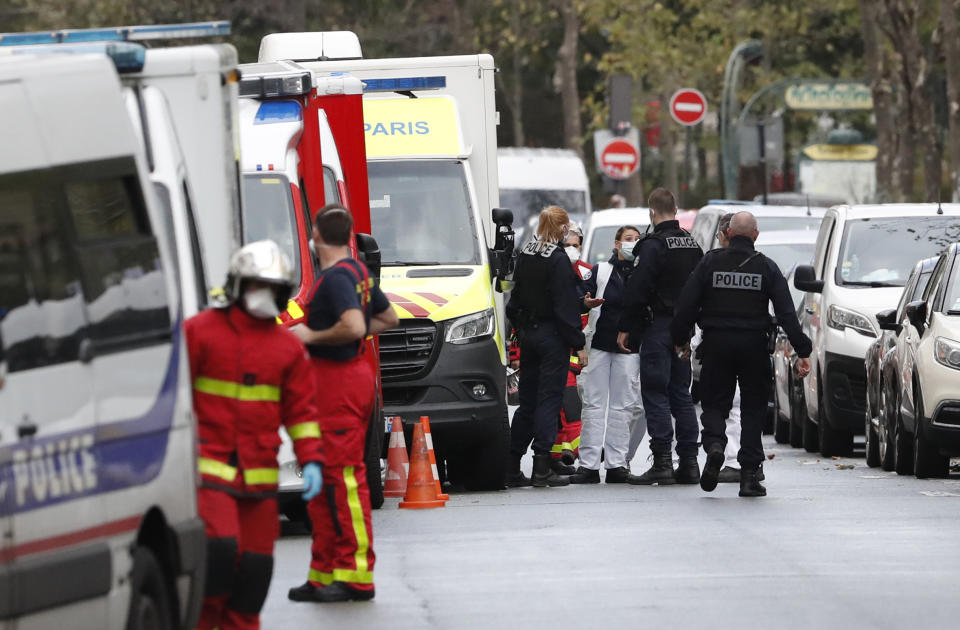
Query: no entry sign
x=620, y=158
x=688, y=106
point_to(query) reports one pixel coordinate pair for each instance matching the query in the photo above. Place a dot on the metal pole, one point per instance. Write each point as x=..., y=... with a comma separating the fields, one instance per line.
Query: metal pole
x=763, y=158
x=685, y=184
x=728, y=103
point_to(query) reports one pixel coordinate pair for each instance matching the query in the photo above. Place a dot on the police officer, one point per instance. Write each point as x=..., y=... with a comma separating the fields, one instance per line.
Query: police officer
x=664, y=259
x=344, y=307
x=545, y=309
x=728, y=294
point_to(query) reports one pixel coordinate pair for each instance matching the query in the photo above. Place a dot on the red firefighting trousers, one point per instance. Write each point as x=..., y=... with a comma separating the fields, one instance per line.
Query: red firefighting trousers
x=568, y=434
x=342, y=534
x=240, y=536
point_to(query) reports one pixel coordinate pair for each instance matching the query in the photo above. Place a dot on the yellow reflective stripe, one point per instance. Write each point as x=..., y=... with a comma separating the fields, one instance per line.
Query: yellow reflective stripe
x=574, y=360
x=216, y=469
x=320, y=578
x=304, y=430
x=294, y=310
x=227, y=389
x=361, y=575
x=566, y=446
x=260, y=476
x=556, y=448
x=575, y=444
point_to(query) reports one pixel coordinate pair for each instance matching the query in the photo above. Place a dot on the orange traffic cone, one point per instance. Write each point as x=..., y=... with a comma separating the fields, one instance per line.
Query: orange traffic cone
x=425, y=421
x=421, y=491
x=397, y=463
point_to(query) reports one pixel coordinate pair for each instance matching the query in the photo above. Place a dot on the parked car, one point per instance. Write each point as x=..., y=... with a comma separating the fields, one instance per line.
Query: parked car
x=787, y=426
x=769, y=219
x=929, y=349
x=863, y=257
x=883, y=369
x=602, y=226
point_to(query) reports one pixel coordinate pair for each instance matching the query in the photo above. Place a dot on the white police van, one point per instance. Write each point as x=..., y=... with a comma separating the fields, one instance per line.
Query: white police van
x=97, y=451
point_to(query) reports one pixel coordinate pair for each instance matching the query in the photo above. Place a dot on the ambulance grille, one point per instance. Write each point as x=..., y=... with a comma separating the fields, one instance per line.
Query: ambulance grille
x=406, y=351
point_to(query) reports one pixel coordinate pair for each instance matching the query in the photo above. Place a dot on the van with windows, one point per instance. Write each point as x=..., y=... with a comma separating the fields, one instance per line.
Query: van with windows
x=98, y=515
x=430, y=138
x=533, y=178
x=862, y=259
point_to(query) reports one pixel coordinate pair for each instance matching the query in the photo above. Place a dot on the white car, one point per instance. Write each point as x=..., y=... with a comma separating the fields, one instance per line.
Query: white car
x=769, y=219
x=602, y=226
x=863, y=257
x=929, y=342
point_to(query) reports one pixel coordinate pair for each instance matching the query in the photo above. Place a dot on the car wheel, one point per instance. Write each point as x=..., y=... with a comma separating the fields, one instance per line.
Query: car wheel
x=927, y=460
x=872, y=448
x=811, y=436
x=488, y=465
x=371, y=456
x=885, y=433
x=149, y=598
x=798, y=412
x=902, y=446
x=832, y=441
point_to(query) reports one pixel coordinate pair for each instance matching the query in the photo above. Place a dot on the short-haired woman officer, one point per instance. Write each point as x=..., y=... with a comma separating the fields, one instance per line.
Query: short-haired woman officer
x=544, y=307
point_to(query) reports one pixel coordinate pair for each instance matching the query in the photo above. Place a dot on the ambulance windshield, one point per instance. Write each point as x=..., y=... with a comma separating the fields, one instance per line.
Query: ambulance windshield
x=420, y=211
x=268, y=213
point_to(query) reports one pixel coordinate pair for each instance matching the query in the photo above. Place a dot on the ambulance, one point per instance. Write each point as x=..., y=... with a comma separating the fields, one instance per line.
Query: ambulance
x=430, y=132
x=98, y=516
x=302, y=148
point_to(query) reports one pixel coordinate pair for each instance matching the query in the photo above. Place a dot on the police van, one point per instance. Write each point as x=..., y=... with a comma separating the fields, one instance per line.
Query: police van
x=97, y=463
x=430, y=134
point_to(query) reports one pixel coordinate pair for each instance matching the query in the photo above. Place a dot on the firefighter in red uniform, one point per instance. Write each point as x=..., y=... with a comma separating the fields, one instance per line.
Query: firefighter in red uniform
x=345, y=306
x=249, y=377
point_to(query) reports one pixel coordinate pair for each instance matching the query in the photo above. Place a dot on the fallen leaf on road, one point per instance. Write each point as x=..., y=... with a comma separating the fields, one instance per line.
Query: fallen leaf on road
x=939, y=493
x=846, y=466
x=835, y=457
x=771, y=455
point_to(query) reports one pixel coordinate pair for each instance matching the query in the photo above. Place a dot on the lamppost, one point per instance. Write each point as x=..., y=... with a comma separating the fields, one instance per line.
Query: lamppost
x=746, y=51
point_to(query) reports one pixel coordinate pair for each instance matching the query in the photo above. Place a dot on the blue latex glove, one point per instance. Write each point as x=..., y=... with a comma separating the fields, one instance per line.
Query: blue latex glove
x=312, y=480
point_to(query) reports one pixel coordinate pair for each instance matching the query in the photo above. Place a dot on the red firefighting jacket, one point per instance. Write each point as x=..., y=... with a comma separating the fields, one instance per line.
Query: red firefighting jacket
x=249, y=377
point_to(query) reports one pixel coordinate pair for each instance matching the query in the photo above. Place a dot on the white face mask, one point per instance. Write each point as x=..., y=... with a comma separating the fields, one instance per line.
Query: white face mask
x=572, y=252
x=626, y=249
x=261, y=303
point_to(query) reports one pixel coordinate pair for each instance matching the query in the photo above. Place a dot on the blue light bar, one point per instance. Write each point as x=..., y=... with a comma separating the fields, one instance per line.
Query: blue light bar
x=118, y=34
x=126, y=56
x=404, y=84
x=277, y=112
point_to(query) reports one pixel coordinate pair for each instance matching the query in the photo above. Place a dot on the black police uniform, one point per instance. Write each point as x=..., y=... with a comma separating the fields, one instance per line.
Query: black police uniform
x=664, y=259
x=728, y=295
x=544, y=307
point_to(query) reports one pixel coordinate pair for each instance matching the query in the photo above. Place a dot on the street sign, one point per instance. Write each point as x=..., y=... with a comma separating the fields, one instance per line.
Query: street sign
x=618, y=157
x=688, y=106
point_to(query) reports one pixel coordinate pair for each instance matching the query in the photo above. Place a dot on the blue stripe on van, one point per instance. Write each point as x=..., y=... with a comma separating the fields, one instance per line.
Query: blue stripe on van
x=93, y=460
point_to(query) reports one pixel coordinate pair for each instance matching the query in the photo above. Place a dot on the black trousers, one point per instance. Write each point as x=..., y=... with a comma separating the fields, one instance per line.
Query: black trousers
x=544, y=361
x=729, y=356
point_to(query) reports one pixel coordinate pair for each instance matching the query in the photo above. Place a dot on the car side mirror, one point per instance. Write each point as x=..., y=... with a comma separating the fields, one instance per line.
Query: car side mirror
x=917, y=314
x=369, y=253
x=805, y=279
x=501, y=256
x=887, y=320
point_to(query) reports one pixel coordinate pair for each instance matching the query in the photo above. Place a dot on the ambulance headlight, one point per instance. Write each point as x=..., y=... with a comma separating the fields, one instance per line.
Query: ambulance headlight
x=471, y=328
x=841, y=318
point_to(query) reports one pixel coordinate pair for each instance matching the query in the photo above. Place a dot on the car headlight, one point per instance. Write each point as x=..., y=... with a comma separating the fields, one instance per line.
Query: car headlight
x=471, y=328
x=947, y=352
x=840, y=318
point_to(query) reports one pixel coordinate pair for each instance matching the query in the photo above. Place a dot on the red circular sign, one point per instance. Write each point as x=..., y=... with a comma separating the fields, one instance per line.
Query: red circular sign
x=620, y=159
x=688, y=106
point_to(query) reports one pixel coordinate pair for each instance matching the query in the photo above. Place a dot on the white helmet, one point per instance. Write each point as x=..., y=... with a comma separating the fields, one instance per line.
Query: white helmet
x=262, y=261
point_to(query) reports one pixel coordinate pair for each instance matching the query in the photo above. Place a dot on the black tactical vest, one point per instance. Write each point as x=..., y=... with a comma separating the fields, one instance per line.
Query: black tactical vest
x=532, y=279
x=681, y=255
x=736, y=287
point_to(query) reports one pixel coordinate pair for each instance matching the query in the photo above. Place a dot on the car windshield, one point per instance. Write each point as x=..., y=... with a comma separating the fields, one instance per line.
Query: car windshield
x=881, y=252
x=787, y=255
x=952, y=304
x=777, y=224
x=526, y=204
x=601, y=245
x=268, y=213
x=420, y=212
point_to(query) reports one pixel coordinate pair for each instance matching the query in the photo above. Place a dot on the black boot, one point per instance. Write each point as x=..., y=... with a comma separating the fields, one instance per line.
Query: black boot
x=568, y=456
x=760, y=475
x=729, y=474
x=515, y=477
x=711, y=470
x=585, y=476
x=306, y=592
x=342, y=592
x=617, y=475
x=560, y=468
x=688, y=471
x=661, y=473
x=543, y=476
x=750, y=485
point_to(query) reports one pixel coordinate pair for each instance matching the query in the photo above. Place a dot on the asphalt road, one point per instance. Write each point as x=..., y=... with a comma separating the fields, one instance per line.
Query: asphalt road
x=830, y=547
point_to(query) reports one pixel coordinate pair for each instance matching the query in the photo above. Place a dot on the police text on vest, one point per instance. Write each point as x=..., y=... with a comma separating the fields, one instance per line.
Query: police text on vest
x=681, y=242
x=737, y=280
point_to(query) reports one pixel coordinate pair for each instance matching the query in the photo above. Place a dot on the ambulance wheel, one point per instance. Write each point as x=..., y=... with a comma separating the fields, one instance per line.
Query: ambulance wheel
x=374, y=448
x=489, y=462
x=149, y=599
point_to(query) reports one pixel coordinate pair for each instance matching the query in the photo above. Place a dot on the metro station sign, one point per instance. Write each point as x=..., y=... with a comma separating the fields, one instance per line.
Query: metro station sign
x=828, y=95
